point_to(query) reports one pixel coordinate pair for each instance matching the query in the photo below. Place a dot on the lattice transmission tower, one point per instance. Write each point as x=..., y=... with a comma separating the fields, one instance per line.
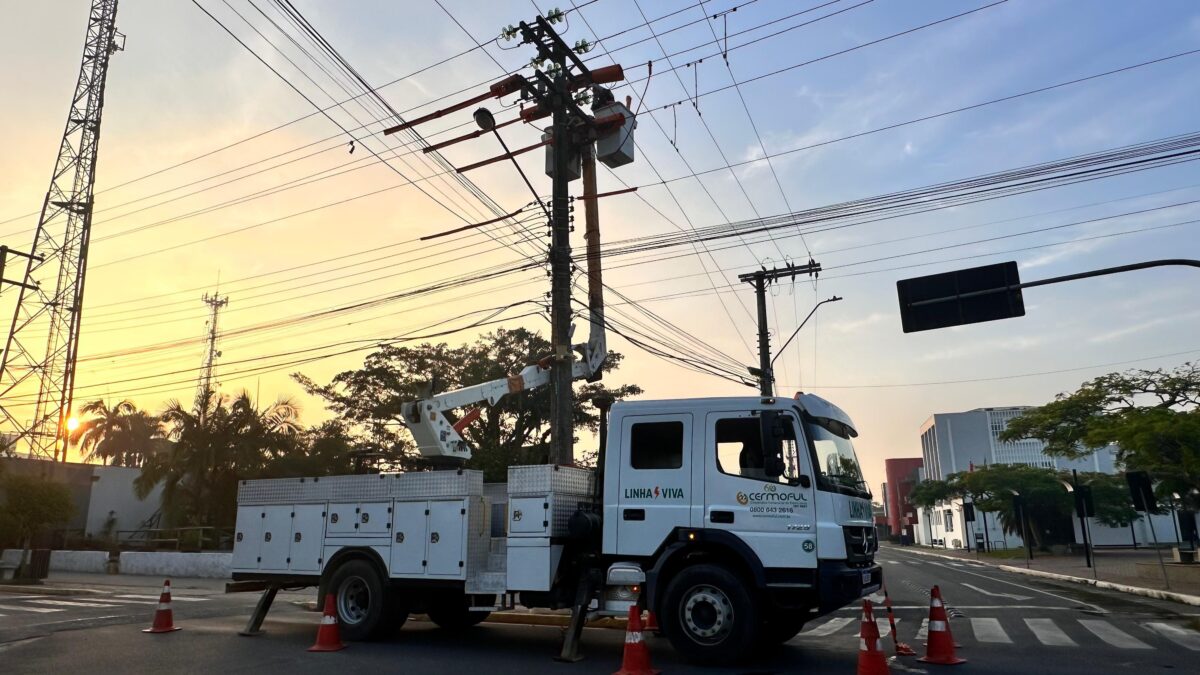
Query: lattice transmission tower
x=41, y=347
x=204, y=388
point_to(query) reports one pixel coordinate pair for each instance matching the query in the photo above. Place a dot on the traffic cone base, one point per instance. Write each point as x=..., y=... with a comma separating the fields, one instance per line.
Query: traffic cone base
x=940, y=643
x=329, y=635
x=636, y=659
x=164, y=618
x=871, y=660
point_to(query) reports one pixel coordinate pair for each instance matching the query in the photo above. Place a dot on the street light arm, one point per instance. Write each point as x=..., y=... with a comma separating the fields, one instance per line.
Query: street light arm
x=797, y=331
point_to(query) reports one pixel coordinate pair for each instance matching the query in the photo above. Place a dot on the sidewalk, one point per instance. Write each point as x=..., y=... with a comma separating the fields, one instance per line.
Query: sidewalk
x=60, y=583
x=1117, y=566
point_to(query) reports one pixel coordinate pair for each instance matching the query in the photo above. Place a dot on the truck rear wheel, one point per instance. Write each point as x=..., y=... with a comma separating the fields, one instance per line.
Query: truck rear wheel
x=359, y=597
x=708, y=615
x=453, y=613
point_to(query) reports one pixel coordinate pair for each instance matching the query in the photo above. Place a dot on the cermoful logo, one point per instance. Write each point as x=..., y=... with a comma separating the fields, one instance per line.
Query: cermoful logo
x=656, y=492
x=772, y=495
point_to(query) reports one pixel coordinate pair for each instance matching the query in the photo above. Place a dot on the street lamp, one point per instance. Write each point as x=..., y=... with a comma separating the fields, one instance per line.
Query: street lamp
x=1083, y=507
x=1019, y=504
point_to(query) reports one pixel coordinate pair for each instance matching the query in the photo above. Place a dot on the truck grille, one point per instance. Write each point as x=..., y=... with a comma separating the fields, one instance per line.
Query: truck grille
x=861, y=544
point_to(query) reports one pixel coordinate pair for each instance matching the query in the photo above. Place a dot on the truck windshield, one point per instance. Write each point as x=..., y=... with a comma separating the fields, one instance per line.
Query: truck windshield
x=835, y=455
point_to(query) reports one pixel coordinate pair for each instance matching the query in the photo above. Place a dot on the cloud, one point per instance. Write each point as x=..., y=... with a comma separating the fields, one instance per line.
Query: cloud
x=855, y=325
x=1015, y=344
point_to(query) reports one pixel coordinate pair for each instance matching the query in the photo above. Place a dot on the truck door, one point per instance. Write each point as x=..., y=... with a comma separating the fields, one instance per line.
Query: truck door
x=775, y=516
x=654, y=490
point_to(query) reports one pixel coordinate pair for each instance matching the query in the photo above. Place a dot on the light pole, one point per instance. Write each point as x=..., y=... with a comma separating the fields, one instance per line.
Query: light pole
x=1083, y=500
x=1019, y=505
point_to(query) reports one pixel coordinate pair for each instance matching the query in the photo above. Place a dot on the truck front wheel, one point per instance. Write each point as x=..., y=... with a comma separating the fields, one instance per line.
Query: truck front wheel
x=708, y=615
x=358, y=595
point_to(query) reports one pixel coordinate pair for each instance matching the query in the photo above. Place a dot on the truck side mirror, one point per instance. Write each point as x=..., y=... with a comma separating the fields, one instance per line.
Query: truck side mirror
x=772, y=443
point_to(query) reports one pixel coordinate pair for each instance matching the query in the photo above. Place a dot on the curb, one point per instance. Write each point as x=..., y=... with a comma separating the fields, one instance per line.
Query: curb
x=512, y=618
x=1153, y=593
x=46, y=590
x=1156, y=594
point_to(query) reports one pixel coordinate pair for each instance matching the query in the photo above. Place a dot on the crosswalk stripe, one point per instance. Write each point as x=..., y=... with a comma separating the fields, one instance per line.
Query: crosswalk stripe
x=885, y=627
x=127, y=601
x=989, y=630
x=18, y=608
x=829, y=627
x=181, y=598
x=955, y=564
x=70, y=603
x=1180, y=636
x=892, y=562
x=923, y=631
x=1048, y=633
x=1113, y=635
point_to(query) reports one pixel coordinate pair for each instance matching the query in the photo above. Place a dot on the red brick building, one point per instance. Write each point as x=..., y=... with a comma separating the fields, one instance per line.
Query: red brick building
x=901, y=477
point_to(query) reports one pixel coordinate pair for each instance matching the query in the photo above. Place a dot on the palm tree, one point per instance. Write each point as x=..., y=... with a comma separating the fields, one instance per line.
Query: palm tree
x=120, y=435
x=213, y=445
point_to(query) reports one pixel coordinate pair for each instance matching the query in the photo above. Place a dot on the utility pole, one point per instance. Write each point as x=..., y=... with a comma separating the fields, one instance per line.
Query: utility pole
x=204, y=389
x=571, y=135
x=760, y=279
x=42, y=346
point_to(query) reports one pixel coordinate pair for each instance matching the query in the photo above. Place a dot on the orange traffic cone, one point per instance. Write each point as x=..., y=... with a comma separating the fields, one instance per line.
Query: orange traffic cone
x=652, y=622
x=871, y=660
x=164, y=619
x=636, y=660
x=940, y=646
x=329, y=636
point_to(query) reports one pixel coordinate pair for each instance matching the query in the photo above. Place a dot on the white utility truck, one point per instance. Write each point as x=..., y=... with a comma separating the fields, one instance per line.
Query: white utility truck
x=736, y=520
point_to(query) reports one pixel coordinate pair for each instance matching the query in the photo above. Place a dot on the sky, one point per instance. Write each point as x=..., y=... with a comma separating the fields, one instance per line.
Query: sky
x=181, y=212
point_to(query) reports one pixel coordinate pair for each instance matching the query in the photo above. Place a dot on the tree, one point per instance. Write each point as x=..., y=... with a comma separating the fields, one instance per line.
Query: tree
x=219, y=442
x=515, y=430
x=1152, y=416
x=30, y=505
x=120, y=435
x=929, y=493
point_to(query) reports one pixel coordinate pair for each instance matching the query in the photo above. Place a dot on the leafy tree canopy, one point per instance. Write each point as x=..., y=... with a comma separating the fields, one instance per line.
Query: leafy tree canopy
x=32, y=504
x=1151, y=415
x=514, y=431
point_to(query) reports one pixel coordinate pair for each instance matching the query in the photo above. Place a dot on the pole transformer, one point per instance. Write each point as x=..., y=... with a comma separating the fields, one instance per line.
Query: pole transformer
x=43, y=340
x=760, y=279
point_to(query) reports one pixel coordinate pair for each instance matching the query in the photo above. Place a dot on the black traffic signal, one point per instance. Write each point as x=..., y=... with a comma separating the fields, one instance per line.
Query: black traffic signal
x=969, y=512
x=1141, y=491
x=986, y=293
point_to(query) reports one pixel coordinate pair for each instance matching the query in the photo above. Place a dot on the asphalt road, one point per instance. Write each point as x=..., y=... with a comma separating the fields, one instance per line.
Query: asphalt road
x=1005, y=623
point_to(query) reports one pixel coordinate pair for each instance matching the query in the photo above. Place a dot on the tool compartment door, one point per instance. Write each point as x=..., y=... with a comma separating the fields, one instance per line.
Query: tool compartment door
x=374, y=518
x=342, y=520
x=409, y=534
x=447, y=525
x=247, y=538
x=308, y=525
x=276, y=538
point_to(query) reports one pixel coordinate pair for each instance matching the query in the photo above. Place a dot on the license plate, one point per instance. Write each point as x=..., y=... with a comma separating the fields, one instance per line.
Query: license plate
x=866, y=577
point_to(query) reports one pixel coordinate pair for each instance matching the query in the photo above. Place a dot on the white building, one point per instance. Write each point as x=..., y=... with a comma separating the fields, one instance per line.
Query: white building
x=957, y=442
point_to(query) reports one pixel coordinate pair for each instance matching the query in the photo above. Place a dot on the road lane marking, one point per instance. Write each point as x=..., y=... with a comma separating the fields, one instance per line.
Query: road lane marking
x=19, y=608
x=1048, y=633
x=885, y=627
x=923, y=631
x=989, y=630
x=181, y=598
x=987, y=607
x=892, y=562
x=1096, y=608
x=829, y=627
x=1180, y=636
x=1113, y=635
x=126, y=601
x=70, y=603
x=1014, y=596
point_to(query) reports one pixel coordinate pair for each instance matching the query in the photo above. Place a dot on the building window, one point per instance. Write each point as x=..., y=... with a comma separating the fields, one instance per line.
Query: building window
x=948, y=517
x=656, y=445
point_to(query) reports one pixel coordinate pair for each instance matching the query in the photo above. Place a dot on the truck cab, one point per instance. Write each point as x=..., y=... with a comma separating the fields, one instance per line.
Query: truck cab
x=749, y=515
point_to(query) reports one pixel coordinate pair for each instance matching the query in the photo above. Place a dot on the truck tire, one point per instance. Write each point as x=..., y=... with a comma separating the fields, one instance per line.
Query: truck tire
x=359, y=597
x=453, y=613
x=708, y=615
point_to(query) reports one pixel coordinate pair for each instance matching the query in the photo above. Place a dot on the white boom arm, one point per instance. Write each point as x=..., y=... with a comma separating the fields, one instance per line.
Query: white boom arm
x=437, y=437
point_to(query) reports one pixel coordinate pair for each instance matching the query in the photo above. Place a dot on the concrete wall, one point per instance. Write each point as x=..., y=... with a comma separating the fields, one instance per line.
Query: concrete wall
x=112, y=492
x=1164, y=527
x=78, y=561
x=76, y=477
x=177, y=564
